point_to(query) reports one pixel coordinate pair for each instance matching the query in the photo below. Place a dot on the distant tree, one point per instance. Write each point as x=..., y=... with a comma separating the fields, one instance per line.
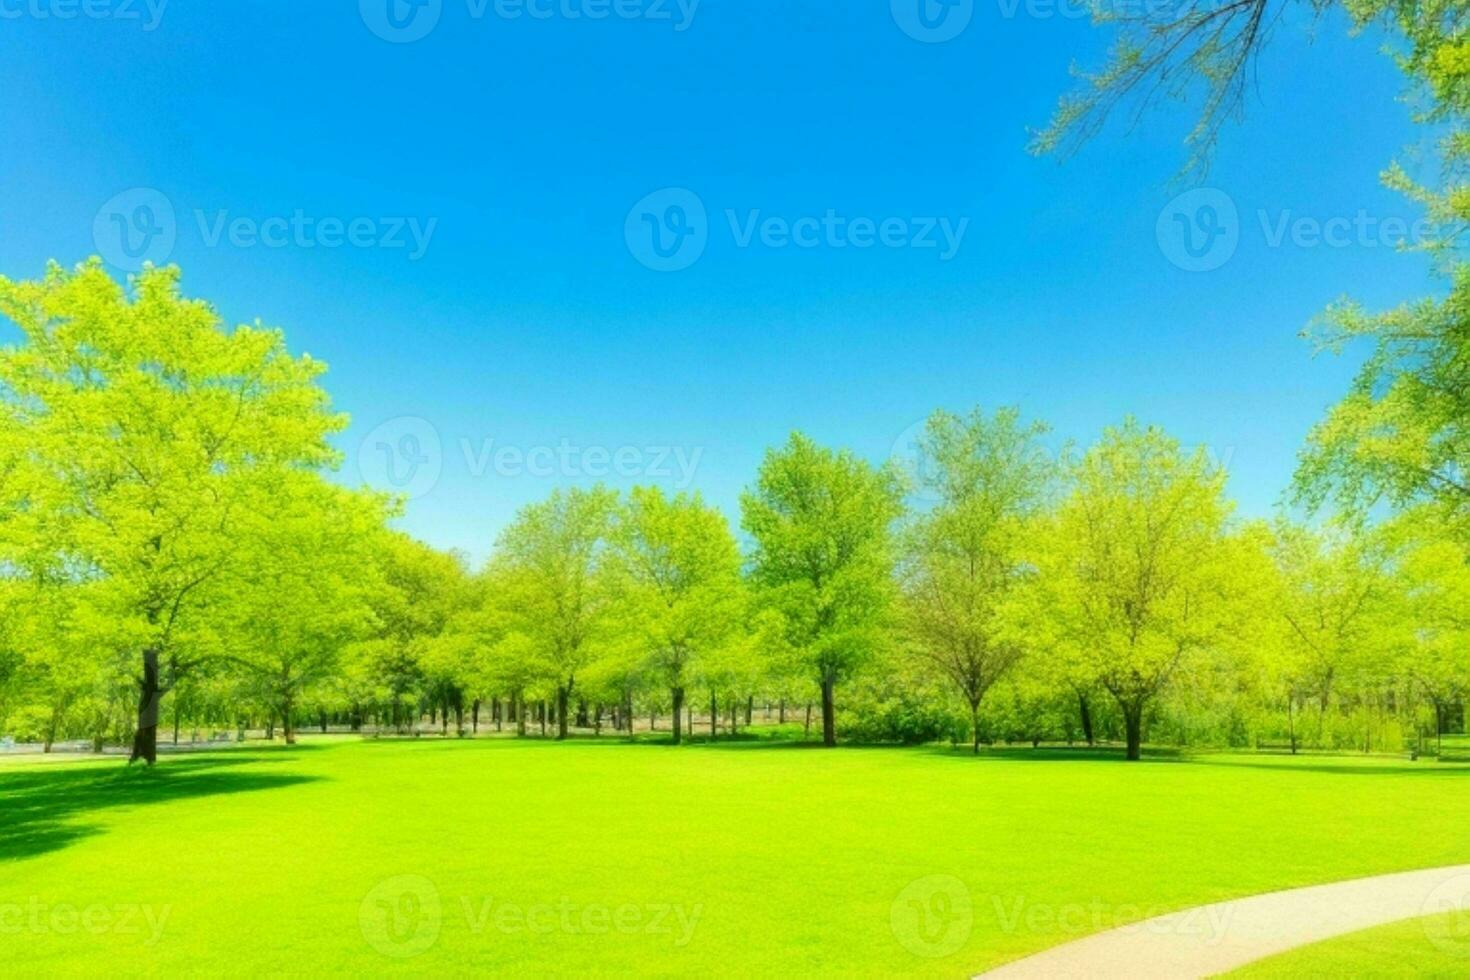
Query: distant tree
x=1136, y=567
x=822, y=524
x=302, y=594
x=681, y=597
x=550, y=566
x=1335, y=587
x=963, y=558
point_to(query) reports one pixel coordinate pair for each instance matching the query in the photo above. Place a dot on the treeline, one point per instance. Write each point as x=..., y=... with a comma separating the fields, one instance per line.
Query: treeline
x=173, y=547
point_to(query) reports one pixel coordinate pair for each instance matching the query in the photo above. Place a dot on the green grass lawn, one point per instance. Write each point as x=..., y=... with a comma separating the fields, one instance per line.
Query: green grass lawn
x=431, y=855
x=1434, y=946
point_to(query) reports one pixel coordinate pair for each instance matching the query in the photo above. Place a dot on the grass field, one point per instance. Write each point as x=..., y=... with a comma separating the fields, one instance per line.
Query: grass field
x=494, y=854
x=1432, y=947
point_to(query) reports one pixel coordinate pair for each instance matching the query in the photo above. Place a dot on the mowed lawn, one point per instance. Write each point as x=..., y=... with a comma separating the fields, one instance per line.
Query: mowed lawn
x=1432, y=947
x=438, y=855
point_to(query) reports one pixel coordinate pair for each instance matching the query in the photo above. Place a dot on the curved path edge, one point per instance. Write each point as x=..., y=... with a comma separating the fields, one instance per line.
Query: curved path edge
x=1211, y=939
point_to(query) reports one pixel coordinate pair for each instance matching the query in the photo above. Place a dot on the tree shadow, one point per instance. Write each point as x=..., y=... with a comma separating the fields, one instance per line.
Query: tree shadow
x=43, y=808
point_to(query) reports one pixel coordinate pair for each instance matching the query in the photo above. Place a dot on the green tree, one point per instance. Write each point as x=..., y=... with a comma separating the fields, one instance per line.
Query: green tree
x=681, y=597
x=1136, y=566
x=963, y=558
x=149, y=425
x=551, y=564
x=822, y=525
x=301, y=595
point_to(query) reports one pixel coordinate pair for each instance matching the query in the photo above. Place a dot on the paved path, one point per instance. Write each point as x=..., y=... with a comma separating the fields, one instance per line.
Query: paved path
x=1211, y=939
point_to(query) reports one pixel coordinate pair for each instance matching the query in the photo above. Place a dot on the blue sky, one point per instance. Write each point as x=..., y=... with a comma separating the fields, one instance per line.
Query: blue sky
x=495, y=175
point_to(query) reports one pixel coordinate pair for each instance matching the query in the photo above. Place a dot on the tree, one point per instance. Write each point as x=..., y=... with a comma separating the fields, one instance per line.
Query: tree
x=419, y=591
x=680, y=571
x=1432, y=579
x=1334, y=585
x=150, y=425
x=1401, y=433
x=1166, y=54
x=550, y=564
x=821, y=521
x=300, y=595
x=963, y=558
x=1135, y=568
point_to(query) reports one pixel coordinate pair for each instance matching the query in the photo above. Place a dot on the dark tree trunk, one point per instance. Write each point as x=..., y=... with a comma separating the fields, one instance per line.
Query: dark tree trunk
x=714, y=716
x=322, y=717
x=975, y=727
x=1084, y=709
x=145, y=739
x=781, y=712
x=808, y=728
x=287, y=729
x=749, y=709
x=563, y=695
x=1133, y=723
x=678, y=695
x=829, y=711
x=475, y=717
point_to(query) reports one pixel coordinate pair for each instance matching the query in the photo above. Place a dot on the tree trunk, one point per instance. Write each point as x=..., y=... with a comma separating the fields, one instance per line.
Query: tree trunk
x=287, y=729
x=781, y=713
x=714, y=716
x=1084, y=709
x=1133, y=722
x=563, y=695
x=975, y=727
x=829, y=711
x=145, y=739
x=678, y=695
x=808, y=729
x=749, y=709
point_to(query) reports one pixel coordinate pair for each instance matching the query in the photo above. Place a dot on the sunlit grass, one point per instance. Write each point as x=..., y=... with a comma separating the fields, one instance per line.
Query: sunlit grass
x=435, y=855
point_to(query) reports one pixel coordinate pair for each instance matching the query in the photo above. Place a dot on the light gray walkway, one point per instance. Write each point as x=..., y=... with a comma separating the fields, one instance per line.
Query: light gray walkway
x=1211, y=939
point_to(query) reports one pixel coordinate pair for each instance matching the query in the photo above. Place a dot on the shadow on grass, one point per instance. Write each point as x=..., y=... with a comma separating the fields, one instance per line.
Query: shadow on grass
x=42, y=809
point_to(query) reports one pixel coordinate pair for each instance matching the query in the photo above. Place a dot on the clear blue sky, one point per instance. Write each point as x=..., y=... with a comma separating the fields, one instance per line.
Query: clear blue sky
x=528, y=319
